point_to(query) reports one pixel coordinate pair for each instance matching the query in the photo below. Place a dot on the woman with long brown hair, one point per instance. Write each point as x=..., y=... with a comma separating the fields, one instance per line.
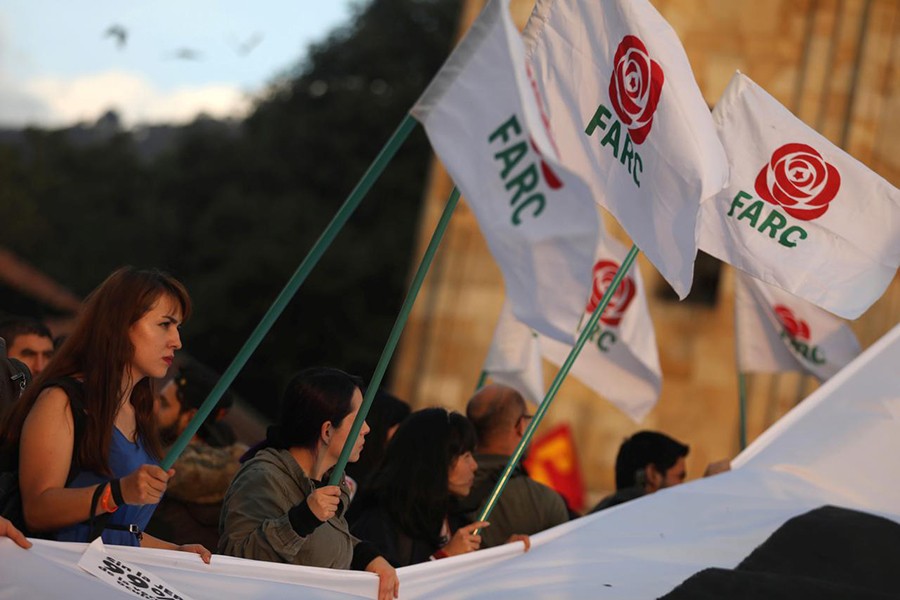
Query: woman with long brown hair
x=98, y=386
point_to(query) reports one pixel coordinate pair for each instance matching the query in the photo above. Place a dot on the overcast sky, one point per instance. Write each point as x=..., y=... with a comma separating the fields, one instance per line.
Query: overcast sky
x=61, y=64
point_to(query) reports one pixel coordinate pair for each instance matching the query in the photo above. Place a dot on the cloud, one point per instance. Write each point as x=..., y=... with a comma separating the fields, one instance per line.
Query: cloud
x=54, y=102
x=18, y=108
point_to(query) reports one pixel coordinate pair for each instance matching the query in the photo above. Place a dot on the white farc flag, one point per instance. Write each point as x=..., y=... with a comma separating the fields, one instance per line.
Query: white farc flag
x=779, y=332
x=620, y=360
x=514, y=358
x=800, y=213
x=629, y=118
x=484, y=121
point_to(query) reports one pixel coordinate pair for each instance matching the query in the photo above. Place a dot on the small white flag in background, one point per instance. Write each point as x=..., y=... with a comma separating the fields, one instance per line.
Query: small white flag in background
x=485, y=122
x=514, y=358
x=779, y=332
x=619, y=361
x=800, y=213
x=629, y=118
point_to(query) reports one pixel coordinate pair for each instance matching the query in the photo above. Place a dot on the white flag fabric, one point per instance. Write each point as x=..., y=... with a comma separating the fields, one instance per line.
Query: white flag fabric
x=620, y=360
x=484, y=121
x=514, y=358
x=777, y=331
x=629, y=118
x=800, y=213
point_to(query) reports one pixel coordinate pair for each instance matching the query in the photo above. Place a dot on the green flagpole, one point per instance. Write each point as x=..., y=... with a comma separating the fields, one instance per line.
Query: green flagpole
x=742, y=381
x=557, y=383
x=481, y=380
x=394, y=337
x=362, y=188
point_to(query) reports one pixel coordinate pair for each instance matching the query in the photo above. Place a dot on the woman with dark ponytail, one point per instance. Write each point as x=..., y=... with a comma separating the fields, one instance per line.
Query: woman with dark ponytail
x=278, y=509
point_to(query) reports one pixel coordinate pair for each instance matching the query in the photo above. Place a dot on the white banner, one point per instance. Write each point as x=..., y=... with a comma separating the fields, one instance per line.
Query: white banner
x=838, y=447
x=800, y=213
x=484, y=121
x=137, y=581
x=628, y=117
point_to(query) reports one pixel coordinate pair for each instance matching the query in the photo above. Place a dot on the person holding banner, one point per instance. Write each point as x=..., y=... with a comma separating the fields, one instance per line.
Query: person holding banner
x=427, y=467
x=9, y=530
x=85, y=432
x=277, y=508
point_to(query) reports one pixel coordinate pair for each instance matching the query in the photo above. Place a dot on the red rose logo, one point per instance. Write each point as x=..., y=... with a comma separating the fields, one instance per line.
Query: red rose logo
x=635, y=87
x=799, y=180
x=604, y=272
x=796, y=328
x=552, y=181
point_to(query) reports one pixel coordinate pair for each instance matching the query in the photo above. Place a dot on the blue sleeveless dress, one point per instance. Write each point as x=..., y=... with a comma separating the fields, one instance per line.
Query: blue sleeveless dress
x=124, y=457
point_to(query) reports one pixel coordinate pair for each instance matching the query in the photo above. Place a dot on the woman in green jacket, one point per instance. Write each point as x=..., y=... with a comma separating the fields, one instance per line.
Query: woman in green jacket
x=278, y=509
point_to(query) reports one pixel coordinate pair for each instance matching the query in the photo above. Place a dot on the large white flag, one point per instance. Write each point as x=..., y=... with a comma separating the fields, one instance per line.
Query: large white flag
x=514, y=358
x=484, y=120
x=629, y=118
x=799, y=213
x=780, y=332
x=620, y=360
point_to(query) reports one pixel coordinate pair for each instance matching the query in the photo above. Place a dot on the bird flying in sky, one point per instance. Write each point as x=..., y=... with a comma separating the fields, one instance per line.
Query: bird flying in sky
x=118, y=33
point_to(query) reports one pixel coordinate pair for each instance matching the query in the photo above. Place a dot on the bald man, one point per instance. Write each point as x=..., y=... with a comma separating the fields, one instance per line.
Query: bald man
x=499, y=415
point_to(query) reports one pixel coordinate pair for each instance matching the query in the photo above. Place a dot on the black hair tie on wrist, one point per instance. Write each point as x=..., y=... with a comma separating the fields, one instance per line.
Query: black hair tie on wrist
x=96, y=523
x=115, y=487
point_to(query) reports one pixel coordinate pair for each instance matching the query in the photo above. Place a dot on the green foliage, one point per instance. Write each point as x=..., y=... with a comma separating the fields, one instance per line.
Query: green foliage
x=233, y=210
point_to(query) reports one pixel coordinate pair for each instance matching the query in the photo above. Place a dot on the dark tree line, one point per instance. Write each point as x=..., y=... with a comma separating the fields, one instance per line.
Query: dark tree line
x=231, y=209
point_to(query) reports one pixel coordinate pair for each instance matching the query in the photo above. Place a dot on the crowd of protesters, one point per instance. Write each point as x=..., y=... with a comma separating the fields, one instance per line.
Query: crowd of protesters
x=85, y=423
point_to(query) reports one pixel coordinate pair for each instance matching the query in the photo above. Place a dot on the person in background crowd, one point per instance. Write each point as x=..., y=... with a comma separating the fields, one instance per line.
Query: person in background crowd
x=29, y=341
x=7, y=529
x=385, y=416
x=14, y=378
x=648, y=461
x=189, y=512
x=499, y=415
x=278, y=507
x=406, y=511
x=85, y=431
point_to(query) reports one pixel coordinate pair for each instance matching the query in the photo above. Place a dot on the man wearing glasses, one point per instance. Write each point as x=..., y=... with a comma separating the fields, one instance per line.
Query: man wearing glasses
x=499, y=415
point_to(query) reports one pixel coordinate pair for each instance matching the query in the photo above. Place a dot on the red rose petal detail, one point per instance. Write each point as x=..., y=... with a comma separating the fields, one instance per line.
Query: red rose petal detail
x=805, y=214
x=762, y=186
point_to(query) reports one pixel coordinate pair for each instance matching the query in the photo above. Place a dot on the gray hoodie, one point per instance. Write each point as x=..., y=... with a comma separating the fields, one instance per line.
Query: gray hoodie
x=255, y=523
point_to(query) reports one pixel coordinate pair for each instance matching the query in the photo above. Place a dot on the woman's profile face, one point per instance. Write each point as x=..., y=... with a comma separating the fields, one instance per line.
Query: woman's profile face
x=155, y=338
x=462, y=474
x=339, y=437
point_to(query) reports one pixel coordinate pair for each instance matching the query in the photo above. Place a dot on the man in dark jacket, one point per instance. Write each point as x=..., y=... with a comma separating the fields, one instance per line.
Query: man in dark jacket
x=647, y=461
x=499, y=415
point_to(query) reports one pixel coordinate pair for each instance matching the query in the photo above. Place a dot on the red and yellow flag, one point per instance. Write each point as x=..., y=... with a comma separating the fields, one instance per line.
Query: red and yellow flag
x=552, y=460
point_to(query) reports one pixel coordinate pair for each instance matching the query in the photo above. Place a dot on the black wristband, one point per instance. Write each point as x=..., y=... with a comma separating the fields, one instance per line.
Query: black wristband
x=115, y=486
x=95, y=499
x=363, y=553
x=303, y=520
